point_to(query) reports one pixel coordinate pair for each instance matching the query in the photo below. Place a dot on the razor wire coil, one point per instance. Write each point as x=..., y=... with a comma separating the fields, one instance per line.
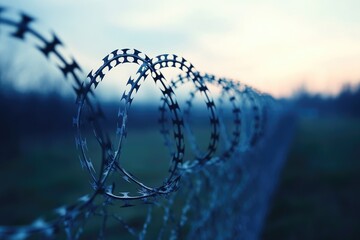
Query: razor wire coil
x=175, y=126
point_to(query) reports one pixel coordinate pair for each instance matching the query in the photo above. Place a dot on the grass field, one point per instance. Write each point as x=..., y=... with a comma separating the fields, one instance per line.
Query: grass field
x=46, y=174
x=318, y=195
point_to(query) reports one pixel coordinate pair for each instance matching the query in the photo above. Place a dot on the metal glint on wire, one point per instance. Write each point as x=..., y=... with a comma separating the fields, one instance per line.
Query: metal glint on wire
x=216, y=190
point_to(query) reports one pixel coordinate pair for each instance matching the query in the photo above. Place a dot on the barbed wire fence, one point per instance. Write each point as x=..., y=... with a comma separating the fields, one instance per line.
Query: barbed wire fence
x=220, y=193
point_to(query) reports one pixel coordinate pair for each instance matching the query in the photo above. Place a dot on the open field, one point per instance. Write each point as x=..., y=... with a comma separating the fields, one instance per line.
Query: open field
x=318, y=195
x=46, y=174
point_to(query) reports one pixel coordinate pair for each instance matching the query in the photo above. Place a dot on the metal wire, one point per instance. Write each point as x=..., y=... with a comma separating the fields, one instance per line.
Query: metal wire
x=209, y=185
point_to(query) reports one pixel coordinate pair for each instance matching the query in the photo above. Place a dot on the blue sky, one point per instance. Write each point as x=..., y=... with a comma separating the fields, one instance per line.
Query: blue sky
x=275, y=46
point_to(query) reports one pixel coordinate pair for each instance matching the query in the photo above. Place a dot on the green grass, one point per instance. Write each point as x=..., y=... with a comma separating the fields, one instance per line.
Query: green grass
x=318, y=196
x=46, y=174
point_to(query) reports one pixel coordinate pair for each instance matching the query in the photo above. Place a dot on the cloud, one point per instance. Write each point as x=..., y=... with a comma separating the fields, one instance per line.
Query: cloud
x=150, y=15
x=273, y=45
x=276, y=51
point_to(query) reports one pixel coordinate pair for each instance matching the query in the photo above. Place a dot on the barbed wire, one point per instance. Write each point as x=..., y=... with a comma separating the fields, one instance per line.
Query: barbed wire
x=210, y=182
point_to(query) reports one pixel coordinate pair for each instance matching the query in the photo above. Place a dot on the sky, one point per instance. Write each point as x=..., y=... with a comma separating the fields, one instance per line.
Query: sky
x=274, y=46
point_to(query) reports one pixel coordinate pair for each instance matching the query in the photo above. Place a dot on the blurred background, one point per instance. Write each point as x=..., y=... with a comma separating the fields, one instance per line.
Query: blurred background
x=303, y=52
